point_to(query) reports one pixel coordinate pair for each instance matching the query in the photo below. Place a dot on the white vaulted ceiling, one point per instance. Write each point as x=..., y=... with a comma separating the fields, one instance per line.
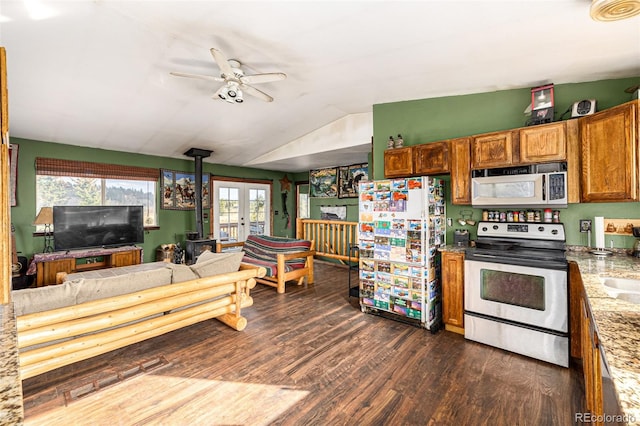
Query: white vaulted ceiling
x=96, y=73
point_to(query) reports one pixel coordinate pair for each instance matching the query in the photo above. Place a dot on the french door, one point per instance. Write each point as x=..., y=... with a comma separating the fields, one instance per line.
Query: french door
x=240, y=209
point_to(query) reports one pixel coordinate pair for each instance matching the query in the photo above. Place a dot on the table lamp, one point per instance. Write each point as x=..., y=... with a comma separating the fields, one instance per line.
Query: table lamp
x=45, y=217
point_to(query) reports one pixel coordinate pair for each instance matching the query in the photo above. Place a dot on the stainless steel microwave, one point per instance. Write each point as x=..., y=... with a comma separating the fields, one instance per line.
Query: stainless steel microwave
x=514, y=187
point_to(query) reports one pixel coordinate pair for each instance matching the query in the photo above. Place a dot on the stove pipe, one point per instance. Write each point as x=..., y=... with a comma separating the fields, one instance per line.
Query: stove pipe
x=198, y=154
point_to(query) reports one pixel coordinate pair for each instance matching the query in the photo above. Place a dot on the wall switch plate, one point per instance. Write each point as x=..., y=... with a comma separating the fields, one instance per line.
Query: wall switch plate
x=585, y=225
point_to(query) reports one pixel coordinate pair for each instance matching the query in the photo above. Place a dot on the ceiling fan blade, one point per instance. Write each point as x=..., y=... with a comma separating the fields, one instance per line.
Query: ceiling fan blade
x=201, y=77
x=222, y=62
x=255, y=92
x=263, y=78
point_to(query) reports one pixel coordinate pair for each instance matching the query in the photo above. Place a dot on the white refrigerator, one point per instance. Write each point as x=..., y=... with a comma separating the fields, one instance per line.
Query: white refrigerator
x=401, y=225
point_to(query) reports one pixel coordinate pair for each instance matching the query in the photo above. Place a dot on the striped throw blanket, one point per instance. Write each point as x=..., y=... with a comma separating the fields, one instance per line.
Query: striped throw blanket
x=262, y=250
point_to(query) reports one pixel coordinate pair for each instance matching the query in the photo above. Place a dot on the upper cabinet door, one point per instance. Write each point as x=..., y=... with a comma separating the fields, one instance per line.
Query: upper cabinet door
x=460, y=152
x=431, y=158
x=492, y=150
x=543, y=144
x=609, y=142
x=398, y=162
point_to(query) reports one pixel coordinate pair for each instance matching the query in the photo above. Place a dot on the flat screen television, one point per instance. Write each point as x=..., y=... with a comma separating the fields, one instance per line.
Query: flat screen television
x=78, y=227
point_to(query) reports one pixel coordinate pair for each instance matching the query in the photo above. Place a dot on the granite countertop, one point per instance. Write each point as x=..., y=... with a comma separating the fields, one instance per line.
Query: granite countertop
x=11, y=409
x=453, y=249
x=617, y=322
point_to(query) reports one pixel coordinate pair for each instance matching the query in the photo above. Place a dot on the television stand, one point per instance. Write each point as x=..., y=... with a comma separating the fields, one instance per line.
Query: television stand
x=46, y=265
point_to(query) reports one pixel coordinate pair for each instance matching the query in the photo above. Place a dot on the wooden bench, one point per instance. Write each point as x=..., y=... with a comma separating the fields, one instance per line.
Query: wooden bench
x=284, y=259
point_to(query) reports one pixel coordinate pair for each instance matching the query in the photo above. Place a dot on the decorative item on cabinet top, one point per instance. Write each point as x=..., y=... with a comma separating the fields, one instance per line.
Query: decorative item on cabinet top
x=395, y=143
x=542, y=104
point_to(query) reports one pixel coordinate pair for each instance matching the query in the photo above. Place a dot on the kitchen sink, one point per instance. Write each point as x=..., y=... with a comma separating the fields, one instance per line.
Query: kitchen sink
x=622, y=288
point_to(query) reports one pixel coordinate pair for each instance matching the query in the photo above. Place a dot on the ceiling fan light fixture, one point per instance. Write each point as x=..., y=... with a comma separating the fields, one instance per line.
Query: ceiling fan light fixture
x=614, y=10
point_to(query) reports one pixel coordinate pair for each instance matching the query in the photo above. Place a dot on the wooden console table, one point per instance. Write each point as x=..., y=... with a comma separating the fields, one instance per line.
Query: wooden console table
x=47, y=265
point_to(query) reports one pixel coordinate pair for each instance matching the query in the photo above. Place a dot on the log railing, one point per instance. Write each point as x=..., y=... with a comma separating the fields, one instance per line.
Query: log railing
x=332, y=238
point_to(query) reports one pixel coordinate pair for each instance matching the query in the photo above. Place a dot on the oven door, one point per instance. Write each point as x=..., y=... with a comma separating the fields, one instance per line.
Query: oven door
x=533, y=297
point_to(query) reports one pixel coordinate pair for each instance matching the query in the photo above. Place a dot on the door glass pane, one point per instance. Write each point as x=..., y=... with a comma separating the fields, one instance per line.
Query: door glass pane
x=228, y=213
x=303, y=205
x=514, y=289
x=257, y=211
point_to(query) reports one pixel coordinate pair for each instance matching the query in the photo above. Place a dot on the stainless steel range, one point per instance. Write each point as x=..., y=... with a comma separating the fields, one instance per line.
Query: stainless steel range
x=516, y=295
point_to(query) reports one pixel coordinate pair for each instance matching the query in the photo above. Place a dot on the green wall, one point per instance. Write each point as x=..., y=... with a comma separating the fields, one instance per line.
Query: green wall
x=419, y=121
x=173, y=224
x=429, y=120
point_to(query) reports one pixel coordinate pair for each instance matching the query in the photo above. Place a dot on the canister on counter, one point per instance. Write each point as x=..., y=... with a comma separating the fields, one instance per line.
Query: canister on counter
x=556, y=216
x=503, y=216
x=485, y=215
x=516, y=216
x=537, y=217
x=509, y=216
x=548, y=215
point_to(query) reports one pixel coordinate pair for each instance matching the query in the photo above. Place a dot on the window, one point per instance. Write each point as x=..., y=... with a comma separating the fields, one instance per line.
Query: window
x=303, y=201
x=76, y=183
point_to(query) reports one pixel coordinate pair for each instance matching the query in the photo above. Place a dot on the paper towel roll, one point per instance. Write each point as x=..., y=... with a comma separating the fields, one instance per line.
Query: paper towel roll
x=598, y=230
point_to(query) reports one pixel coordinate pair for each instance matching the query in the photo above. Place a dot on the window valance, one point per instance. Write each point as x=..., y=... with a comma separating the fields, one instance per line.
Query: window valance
x=59, y=167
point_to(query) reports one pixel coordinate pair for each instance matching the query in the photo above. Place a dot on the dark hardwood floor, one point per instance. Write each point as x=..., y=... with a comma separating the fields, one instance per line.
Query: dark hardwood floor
x=307, y=357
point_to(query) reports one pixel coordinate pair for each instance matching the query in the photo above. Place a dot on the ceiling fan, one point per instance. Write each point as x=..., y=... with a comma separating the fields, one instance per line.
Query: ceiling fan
x=235, y=82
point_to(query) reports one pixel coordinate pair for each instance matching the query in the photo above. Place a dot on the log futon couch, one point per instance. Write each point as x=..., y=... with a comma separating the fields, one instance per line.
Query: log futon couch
x=284, y=259
x=88, y=315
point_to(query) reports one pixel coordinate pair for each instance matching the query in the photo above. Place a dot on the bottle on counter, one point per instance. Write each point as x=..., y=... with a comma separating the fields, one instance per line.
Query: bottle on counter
x=530, y=216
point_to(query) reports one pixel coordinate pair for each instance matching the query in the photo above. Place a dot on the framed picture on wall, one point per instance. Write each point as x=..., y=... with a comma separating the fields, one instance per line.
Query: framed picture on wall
x=349, y=177
x=167, y=180
x=323, y=183
x=178, y=190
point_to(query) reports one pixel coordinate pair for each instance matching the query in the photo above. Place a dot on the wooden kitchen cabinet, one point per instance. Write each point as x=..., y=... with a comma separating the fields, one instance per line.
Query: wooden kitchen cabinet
x=398, y=162
x=591, y=362
x=545, y=143
x=575, y=304
x=431, y=158
x=453, y=291
x=492, y=150
x=609, y=143
x=460, y=158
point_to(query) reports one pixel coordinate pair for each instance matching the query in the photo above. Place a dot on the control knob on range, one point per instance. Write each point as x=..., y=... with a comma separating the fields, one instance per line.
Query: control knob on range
x=495, y=227
x=541, y=228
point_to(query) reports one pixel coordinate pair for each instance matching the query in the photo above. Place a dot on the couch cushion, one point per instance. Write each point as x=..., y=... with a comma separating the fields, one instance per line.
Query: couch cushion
x=41, y=299
x=206, y=256
x=262, y=250
x=217, y=263
x=181, y=273
x=99, y=288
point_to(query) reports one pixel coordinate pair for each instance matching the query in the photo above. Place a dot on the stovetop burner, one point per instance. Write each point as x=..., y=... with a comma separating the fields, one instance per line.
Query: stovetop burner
x=526, y=244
